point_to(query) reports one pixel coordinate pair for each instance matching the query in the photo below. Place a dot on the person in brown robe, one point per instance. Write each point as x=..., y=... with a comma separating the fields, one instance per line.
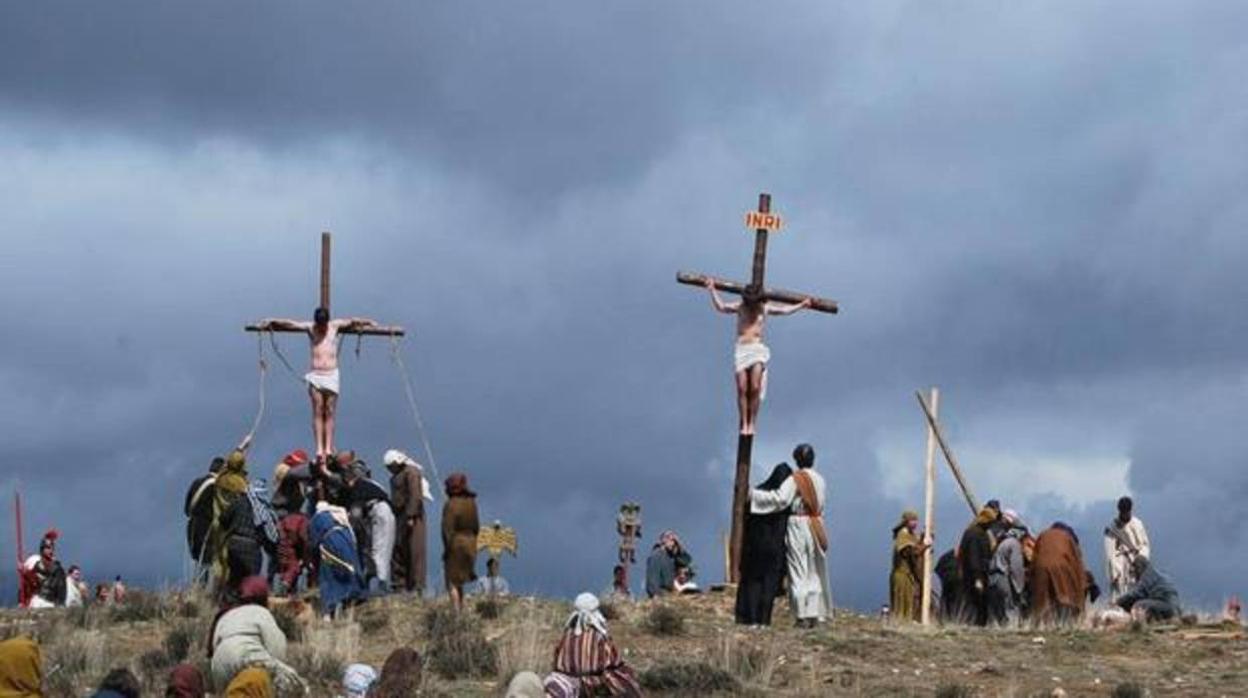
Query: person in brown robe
x=459, y=537
x=1059, y=580
x=407, y=490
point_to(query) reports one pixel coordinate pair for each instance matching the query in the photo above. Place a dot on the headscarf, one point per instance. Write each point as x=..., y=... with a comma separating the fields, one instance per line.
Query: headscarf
x=1066, y=527
x=526, y=684
x=233, y=475
x=585, y=614
x=21, y=669
x=357, y=679
x=395, y=457
x=986, y=516
x=340, y=515
x=295, y=457
x=457, y=486
x=185, y=681
x=906, y=517
x=253, y=590
x=779, y=474
x=252, y=682
x=400, y=675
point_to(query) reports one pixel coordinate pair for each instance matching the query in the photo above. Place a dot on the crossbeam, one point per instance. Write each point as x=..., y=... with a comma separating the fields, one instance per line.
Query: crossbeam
x=384, y=331
x=823, y=305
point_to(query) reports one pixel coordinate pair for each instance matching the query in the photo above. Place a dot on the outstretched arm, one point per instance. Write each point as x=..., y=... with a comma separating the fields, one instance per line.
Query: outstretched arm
x=774, y=309
x=718, y=302
x=273, y=323
x=353, y=323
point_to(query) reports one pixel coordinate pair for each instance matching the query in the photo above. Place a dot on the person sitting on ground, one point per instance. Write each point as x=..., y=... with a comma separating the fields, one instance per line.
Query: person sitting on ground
x=357, y=680
x=684, y=584
x=185, y=681
x=1153, y=597
x=492, y=584
x=21, y=668
x=400, y=675
x=661, y=566
x=252, y=682
x=246, y=635
x=525, y=684
x=587, y=662
x=619, y=585
x=119, y=683
x=340, y=575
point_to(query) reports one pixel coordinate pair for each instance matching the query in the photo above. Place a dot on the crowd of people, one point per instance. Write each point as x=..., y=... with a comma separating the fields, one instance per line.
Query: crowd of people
x=1001, y=573
x=43, y=582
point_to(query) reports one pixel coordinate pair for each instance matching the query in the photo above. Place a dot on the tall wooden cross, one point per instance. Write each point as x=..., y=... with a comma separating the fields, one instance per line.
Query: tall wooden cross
x=762, y=221
x=391, y=331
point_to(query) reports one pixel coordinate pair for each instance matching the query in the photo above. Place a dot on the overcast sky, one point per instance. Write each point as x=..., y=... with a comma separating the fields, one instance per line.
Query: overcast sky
x=1038, y=207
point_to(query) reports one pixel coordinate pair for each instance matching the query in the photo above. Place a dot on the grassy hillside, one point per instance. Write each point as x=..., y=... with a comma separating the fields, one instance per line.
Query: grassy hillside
x=686, y=646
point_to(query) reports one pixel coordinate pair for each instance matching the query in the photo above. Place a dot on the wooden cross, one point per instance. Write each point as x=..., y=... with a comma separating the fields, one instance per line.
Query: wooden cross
x=762, y=221
x=391, y=331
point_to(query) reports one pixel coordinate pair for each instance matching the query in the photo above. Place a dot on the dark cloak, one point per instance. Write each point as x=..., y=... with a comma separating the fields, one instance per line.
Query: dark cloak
x=763, y=565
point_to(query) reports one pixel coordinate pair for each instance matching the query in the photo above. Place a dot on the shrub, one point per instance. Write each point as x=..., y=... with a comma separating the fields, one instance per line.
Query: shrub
x=694, y=678
x=609, y=611
x=372, y=619
x=288, y=623
x=178, y=643
x=665, y=621
x=489, y=607
x=457, y=647
x=137, y=606
x=318, y=668
x=954, y=690
x=1128, y=690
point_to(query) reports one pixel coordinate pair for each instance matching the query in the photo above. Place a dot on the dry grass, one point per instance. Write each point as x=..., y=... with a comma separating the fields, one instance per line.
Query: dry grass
x=475, y=653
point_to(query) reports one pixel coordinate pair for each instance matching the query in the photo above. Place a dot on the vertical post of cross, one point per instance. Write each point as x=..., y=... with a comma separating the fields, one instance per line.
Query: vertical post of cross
x=760, y=244
x=325, y=250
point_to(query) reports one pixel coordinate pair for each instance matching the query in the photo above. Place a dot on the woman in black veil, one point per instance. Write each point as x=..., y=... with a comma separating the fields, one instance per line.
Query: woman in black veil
x=763, y=565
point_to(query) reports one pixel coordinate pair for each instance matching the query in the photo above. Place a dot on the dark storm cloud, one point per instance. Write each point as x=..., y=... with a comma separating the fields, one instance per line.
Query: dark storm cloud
x=1036, y=208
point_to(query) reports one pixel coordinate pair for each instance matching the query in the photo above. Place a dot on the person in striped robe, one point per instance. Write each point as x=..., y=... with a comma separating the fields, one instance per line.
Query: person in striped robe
x=587, y=662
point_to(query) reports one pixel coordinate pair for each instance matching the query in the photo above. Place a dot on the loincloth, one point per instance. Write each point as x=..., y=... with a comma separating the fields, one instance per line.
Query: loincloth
x=324, y=382
x=754, y=353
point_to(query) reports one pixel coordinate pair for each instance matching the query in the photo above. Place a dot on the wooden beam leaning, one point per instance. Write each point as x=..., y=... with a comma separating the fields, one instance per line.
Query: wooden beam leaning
x=384, y=331
x=949, y=457
x=823, y=305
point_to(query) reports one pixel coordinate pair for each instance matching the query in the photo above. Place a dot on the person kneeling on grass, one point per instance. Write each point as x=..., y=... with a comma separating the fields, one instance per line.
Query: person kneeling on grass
x=1153, y=597
x=587, y=662
x=246, y=635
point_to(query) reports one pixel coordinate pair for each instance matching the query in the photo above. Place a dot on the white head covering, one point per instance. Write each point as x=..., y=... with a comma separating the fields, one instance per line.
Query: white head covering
x=585, y=614
x=358, y=679
x=526, y=684
x=394, y=457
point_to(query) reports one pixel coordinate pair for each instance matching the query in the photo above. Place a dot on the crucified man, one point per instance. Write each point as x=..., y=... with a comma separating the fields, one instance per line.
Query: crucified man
x=322, y=380
x=751, y=355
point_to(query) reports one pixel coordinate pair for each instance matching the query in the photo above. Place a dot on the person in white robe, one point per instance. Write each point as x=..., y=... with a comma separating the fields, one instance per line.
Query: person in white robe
x=1125, y=540
x=804, y=494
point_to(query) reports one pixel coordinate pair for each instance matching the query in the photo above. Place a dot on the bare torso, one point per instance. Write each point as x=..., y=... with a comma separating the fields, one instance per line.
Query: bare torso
x=750, y=317
x=324, y=348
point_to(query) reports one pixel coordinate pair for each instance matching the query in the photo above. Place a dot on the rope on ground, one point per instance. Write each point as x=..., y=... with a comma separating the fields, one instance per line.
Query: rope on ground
x=408, y=388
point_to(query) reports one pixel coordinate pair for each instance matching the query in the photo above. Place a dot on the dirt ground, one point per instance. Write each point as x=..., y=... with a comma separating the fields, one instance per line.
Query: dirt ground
x=855, y=655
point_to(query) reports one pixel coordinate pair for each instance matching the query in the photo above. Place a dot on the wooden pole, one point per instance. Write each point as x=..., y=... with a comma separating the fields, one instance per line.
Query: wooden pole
x=949, y=458
x=929, y=514
x=325, y=254
x=21, y=552
x=740, y=503
x=760, y=244
x=825, y=305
